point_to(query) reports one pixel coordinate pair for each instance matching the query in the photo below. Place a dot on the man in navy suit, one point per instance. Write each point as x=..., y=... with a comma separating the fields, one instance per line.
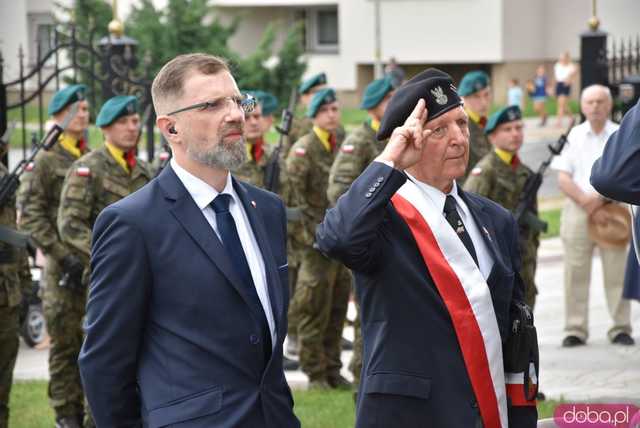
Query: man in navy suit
x=187, y=307
x=615, y=175
x=436, y=273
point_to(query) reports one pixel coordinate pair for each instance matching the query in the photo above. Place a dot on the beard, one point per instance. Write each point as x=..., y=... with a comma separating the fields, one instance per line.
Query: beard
x=222, y=155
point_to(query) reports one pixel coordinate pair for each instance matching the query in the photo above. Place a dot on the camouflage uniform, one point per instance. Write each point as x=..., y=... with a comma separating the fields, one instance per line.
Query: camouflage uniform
x=323, y=286
x=479, y=146
x=15, y=281
x=252, y=171
x=93, y=182
x=359, y=149
x=38, y=200
x=503, y=183
x=301, y=126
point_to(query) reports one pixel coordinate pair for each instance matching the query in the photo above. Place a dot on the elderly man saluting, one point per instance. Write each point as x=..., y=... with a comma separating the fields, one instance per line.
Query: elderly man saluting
x=436, y=274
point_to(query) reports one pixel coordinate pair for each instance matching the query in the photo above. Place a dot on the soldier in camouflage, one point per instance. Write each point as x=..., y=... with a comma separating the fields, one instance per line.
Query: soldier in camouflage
x=322, y=291
x=476, y=94
x=500, y=176
x=15, y=281
x=359, y=149
x=302, y=125
x=256, y=124
x=38, y=200
x=100, y=178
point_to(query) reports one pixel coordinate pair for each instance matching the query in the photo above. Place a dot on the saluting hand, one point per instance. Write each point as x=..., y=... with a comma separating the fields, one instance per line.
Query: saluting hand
x=405, y=145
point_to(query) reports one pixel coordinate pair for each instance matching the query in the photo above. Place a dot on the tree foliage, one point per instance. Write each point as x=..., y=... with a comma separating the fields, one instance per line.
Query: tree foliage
x=185, y=26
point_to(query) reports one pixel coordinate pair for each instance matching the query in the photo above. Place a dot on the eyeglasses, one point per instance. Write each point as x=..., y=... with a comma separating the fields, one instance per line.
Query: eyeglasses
x=245, y=102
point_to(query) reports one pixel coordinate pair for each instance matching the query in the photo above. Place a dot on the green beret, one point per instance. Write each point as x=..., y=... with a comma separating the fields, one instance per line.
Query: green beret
x=473, y=82
x=375, y=92
x=432, y=85
x=320, y=98
x=66, y=96
x=269, y=104
x=115, y=108
x=505, y=115
x=307, y=85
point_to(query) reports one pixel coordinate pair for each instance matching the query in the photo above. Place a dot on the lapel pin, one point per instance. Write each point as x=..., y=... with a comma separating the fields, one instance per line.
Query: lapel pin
x=486, y=232
x=253, y=203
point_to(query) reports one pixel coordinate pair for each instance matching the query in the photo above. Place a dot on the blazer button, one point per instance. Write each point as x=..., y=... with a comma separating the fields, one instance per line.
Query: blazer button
x=372, y=189
x=376, y=184
x=380, y=179
x=254, y=339
x=367, y=195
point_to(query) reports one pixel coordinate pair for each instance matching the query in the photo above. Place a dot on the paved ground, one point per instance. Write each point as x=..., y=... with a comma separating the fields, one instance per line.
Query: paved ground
x=597, y=372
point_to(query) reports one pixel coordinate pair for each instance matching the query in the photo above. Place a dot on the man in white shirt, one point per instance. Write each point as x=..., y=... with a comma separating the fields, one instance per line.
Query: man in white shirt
x=585, y=144
x=187, y=308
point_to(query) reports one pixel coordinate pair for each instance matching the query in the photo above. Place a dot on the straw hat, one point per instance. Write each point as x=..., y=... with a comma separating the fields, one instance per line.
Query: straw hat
x=616, y=232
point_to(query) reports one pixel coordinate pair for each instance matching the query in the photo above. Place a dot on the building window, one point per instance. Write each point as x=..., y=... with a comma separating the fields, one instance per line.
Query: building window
x=41, y=32
x=322, y=31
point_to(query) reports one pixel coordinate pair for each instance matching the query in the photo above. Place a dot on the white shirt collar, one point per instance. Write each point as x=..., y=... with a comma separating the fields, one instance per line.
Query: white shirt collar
x=609, y=128
x=439, y=197
x=202, y=193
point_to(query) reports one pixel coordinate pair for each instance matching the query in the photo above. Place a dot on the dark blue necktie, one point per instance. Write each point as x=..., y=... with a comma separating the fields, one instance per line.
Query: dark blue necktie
x=452, y=216
x=231, y=242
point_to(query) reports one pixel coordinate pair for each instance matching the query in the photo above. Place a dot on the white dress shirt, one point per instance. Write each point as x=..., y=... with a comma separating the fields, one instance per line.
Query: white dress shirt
x=582, y=150
x=485, y=260
x=203, y=195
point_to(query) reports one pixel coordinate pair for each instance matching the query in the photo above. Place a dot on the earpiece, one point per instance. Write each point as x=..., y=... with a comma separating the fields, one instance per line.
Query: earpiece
x=172, y=130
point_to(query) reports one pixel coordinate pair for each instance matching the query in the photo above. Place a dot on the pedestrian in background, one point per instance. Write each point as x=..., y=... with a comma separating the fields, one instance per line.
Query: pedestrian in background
x=564, y=71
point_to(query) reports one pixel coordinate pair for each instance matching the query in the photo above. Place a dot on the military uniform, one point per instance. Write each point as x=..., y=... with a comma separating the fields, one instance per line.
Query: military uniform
x=356, y=153
x=15, y=280
x=252, y=171
x=471, y=83
x=38, y=200
x=501, y=177
x=359, y=149
x=323, y=287
x=479, y=146
x=94, y=181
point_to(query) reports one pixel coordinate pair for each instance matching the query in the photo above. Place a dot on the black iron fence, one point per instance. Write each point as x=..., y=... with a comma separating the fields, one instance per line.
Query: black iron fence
x=614, y=62
x=108, y=67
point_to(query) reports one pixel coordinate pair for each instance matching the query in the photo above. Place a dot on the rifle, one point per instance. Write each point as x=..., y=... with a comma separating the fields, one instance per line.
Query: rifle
x=525, y=213
x=9, y=183
x=272, y=171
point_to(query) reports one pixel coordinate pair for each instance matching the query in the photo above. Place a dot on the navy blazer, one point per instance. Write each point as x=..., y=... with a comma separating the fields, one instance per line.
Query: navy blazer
x=413, y=371
x=616, y=176
x=171, y=341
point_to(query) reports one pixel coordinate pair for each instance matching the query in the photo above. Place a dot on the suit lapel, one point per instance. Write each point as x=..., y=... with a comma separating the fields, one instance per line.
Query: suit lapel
x=187, y=213
x=257, y=225
x=483, y=220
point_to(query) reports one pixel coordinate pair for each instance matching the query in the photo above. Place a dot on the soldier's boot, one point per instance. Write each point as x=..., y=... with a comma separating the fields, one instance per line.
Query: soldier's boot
x=346, y=344
x=68, y=422
x=337, y=381
x=287, y=364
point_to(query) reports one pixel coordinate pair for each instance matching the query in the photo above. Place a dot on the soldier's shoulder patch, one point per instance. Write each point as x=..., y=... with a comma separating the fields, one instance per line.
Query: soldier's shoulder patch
x=347, y=148
x=30, y=166
x=83, y=171
x=476, y=171
x=300, y=151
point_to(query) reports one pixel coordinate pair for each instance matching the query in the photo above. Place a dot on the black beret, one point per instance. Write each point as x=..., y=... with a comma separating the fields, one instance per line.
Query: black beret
x=435, y=86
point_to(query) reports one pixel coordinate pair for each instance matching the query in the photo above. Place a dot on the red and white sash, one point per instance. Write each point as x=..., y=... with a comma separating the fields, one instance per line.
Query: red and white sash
x=466, y=296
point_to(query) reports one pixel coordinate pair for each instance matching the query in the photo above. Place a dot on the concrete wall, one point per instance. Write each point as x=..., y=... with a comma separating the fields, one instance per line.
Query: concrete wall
x=13, y=34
